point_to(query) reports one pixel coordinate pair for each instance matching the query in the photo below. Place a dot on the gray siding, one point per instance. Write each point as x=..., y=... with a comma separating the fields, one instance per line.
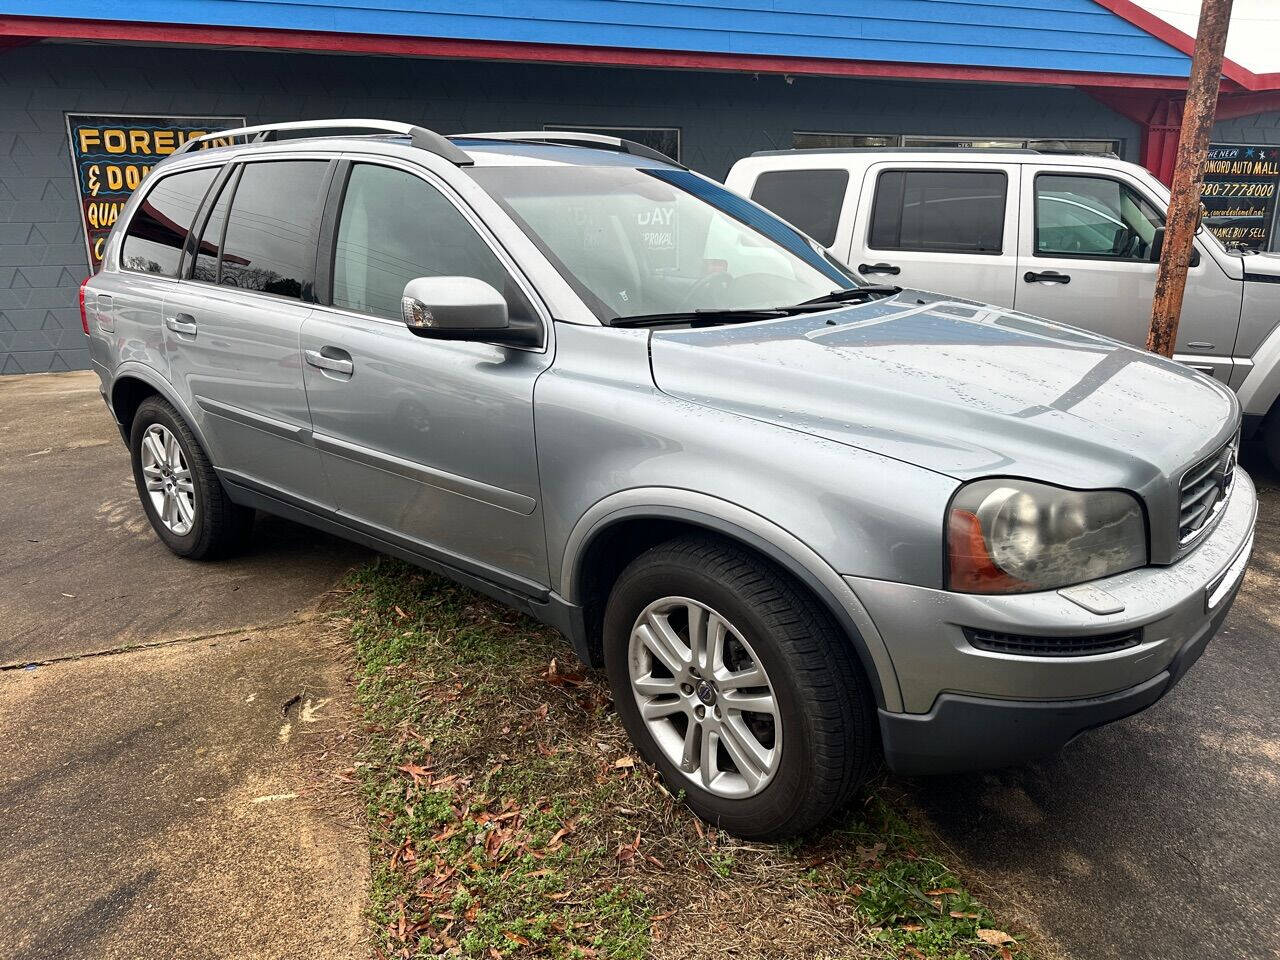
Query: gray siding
x=1259, y=128
x=721, y=117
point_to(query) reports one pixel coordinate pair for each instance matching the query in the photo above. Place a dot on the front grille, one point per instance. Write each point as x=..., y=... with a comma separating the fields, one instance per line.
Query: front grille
x=1203, y=490
x=1052, y=646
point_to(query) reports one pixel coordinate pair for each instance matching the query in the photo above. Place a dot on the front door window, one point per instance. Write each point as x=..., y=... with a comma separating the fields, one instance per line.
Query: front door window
x=1093, y=217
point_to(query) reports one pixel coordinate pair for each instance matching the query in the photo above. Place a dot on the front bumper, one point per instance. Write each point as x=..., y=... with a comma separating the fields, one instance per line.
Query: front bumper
x=966, y=708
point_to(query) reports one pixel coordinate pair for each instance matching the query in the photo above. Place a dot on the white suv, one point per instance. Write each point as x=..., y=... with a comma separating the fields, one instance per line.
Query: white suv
x=1074, y=239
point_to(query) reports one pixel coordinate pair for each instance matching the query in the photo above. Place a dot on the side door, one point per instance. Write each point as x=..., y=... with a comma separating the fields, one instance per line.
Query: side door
x=427, y=443
x=1085, y=258
x=950, y=229
x=232, y=326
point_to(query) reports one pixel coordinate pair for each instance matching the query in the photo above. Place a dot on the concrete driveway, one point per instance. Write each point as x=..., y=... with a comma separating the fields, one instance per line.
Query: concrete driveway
x=1158, y=837
x=162, y=768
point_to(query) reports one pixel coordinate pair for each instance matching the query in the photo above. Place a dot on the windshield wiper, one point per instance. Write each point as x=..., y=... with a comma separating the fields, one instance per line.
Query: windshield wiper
x=854, y=293
x=704, y=317
x=707, y=317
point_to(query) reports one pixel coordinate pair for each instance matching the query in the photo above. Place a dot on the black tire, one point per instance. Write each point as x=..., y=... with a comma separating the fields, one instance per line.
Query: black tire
x=1269, y=434
x=829, y=740
x=220, y=527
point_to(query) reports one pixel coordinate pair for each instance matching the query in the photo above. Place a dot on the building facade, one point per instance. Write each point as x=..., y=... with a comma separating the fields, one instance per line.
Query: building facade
x=87, y=104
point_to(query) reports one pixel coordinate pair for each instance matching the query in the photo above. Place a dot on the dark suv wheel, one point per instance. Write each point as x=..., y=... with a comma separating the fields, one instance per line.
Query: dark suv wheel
x=738, y=687
x=180, y=493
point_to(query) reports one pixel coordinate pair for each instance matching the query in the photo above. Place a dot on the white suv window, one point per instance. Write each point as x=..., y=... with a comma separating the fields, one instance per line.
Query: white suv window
x=811, y=199
x=941, y=211
x=1090, y=217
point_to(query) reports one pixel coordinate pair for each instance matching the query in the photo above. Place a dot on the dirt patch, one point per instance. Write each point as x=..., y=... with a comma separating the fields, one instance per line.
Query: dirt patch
x=510, y=816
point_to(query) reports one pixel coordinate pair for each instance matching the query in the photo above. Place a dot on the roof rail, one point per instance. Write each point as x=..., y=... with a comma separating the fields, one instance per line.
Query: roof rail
x=420, y=137
x=574, y=138
x=782, y=153
x=961, y=150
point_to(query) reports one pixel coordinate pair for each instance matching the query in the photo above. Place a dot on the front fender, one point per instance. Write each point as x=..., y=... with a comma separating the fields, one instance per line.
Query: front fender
x=1261, y=387
x=755, y=531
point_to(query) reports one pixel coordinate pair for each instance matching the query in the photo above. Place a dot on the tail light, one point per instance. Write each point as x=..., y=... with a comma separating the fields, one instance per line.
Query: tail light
x=84, y=314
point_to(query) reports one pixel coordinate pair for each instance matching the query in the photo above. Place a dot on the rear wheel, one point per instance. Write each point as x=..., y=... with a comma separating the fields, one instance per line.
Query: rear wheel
x=738, y=687
x=182, y=496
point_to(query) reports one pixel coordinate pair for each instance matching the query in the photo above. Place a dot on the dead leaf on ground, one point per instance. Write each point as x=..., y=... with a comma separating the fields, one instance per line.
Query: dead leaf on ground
x=995, y=937
x=418, y=773
x=870, y=854
x=561, y=678
x=627, y=851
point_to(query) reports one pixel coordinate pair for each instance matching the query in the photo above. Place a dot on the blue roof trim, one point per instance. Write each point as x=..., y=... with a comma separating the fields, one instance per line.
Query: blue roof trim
x=1074, y=35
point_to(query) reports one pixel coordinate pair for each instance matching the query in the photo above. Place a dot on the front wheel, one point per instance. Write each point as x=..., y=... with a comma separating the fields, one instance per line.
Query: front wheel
x=1269, y=434
x=182, y=496
x=738, y=687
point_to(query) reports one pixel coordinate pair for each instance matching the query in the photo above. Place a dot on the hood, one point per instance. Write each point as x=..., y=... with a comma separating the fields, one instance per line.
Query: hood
x=960, y=388
x=1262, y=266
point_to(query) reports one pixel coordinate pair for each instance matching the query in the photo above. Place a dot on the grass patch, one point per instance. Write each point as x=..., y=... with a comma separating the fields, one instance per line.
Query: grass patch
x=510, y=816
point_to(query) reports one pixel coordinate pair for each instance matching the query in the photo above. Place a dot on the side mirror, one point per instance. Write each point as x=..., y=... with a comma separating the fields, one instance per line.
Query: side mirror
x=1157, y=246
x=462, y=308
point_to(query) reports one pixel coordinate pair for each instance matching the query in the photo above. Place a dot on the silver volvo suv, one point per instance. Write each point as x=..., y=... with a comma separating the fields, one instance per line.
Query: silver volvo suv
x=802, y=521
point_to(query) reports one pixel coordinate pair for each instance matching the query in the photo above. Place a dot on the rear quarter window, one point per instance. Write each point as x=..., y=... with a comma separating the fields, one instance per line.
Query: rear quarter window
x=809, y=199
x=153, y=243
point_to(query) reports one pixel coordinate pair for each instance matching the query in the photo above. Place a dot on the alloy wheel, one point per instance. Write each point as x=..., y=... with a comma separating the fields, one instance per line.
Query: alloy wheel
x=705, y=697
x=168, y=479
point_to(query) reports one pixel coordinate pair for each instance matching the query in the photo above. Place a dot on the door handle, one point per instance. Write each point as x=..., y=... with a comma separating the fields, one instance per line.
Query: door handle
x=884, y=268
x=335, y=364
x=1048, y=276
x=183, y=323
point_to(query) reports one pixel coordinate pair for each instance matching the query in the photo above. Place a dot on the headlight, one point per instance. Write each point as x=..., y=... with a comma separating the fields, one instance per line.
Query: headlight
x=1016, y=536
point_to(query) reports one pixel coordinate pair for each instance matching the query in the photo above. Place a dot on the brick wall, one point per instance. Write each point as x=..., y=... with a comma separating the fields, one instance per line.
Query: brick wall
x=721, y=117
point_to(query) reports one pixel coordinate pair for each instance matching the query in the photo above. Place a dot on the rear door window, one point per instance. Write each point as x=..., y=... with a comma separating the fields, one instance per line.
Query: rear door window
x=270, y=238
x=158, y=230
x=942, y=211
x=810, y=199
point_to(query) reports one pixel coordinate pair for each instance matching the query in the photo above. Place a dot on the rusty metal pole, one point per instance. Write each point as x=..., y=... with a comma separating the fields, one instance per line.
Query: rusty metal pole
x=1188, y=175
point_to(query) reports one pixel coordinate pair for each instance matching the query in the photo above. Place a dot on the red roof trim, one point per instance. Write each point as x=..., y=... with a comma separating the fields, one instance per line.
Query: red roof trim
x=323, y=41
x=1162, y=30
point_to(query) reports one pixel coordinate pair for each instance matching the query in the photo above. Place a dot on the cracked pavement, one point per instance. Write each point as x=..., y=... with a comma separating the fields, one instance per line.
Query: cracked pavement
x=161, y=774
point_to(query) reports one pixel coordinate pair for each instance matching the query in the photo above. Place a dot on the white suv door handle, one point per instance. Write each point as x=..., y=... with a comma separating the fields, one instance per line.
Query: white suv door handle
x=318, y=359
x=183, y=323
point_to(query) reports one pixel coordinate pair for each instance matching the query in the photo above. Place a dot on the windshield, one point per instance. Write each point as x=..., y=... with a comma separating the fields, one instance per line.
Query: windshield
x=635, y=242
